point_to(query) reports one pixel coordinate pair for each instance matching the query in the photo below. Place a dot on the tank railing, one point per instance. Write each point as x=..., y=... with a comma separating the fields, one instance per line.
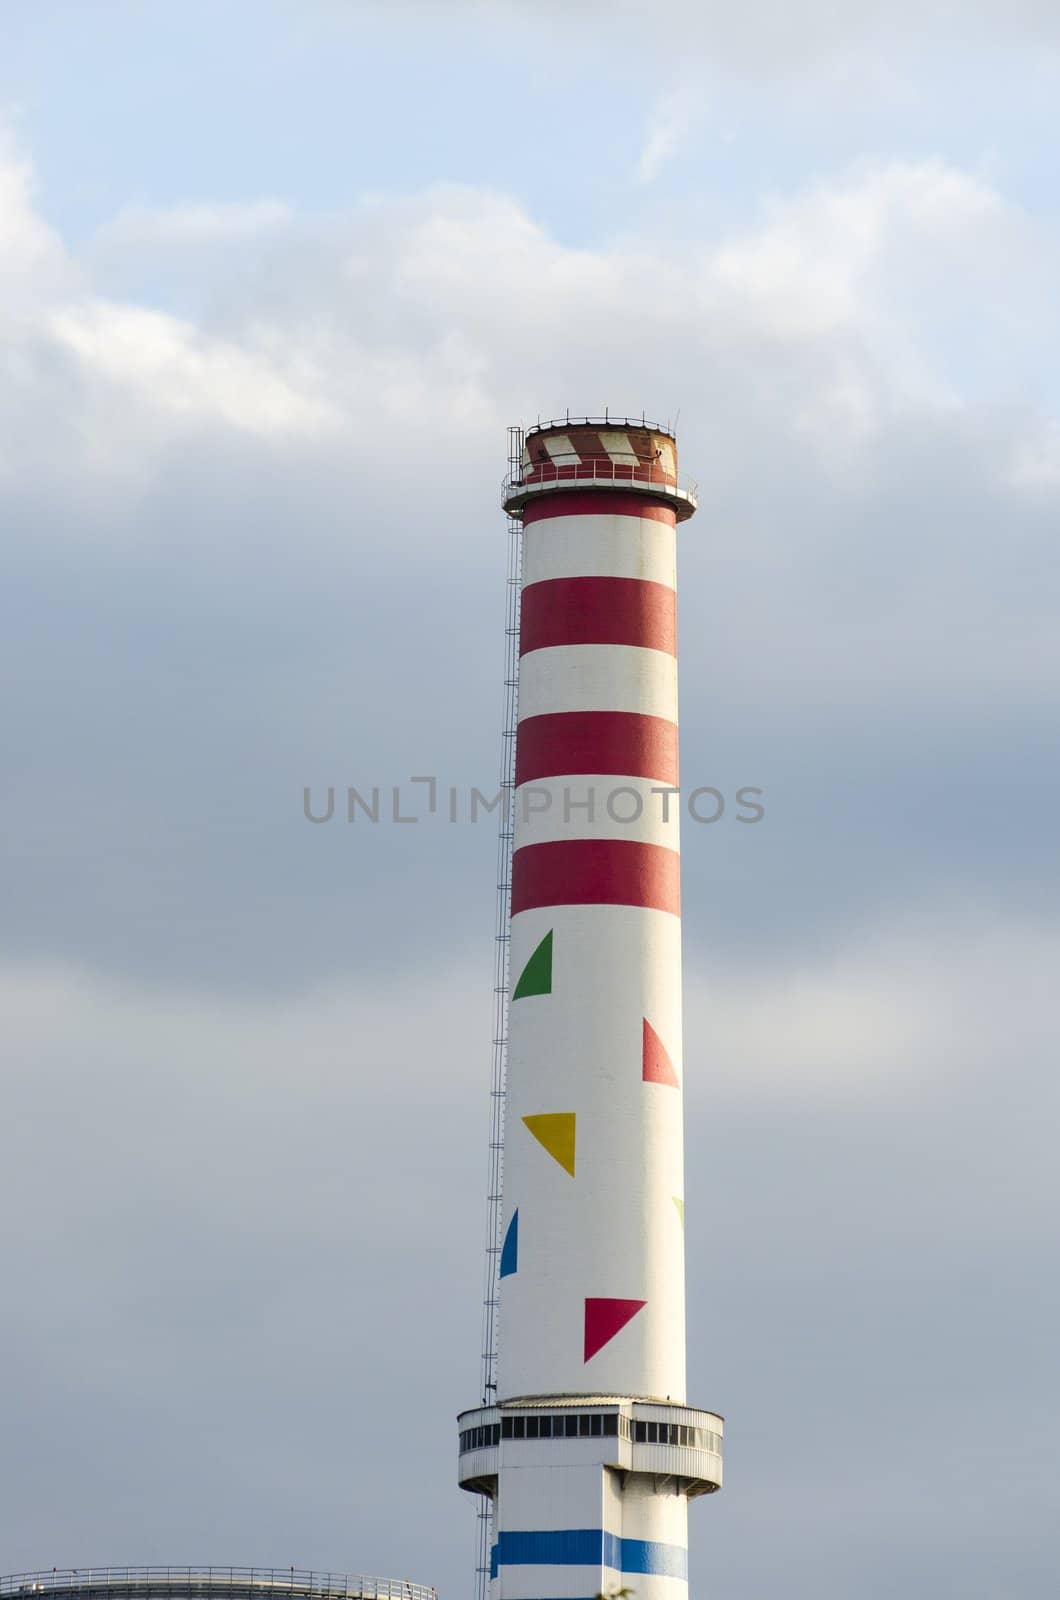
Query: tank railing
x=289, y=1580
x=606, y=421
x=599, y=470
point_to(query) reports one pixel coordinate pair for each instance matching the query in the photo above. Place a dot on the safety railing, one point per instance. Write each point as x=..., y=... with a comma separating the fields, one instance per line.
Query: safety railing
x=546, y=473
x=606, y=421
x=217, y=1582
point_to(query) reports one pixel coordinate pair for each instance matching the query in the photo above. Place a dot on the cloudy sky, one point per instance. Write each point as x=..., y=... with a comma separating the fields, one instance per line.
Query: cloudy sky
x=274, y=279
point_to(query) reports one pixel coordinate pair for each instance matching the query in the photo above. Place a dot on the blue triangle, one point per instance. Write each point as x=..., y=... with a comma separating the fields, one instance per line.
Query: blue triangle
x=510, y=1248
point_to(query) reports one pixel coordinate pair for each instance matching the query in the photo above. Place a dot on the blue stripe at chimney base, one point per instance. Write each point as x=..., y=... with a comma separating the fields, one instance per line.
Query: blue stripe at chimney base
x=588, y=1547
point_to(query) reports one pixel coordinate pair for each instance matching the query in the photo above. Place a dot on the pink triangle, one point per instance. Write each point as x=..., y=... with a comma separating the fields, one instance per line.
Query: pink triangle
x=658, y=1068
x=605, y=1318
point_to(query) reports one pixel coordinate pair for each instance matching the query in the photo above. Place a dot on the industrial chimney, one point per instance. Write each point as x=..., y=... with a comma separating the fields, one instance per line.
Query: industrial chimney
x=587, y=1449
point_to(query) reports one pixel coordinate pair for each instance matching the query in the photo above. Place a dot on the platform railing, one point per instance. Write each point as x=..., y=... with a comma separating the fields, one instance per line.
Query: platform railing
x=597, y=470
x=218, y=1581
x=606, y=421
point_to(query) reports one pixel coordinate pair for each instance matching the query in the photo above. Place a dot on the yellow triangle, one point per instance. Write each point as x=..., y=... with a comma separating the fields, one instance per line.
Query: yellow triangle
x=679, y=1203
x=555, y=1130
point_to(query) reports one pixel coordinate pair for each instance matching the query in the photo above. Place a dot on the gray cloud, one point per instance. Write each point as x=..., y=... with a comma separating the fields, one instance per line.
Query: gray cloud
x=258, y=547
x=246, y=1288
x=760, y=35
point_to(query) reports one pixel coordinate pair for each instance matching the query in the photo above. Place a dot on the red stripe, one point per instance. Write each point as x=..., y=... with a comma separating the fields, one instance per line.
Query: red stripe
x=598, y=611
x=596, y=872
x=621, y=743
x=589, y=445
x=643, y=447
x=643, y=443
x=599, y=502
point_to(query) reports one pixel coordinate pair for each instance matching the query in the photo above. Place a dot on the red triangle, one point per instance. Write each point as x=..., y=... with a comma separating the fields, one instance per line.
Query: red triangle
x=658, y=1068
x=605, y=1318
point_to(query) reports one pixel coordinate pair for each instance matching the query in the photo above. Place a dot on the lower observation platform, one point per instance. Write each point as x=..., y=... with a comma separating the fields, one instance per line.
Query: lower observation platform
x=635, y=1436
x=518, y=491
x=207, y=1583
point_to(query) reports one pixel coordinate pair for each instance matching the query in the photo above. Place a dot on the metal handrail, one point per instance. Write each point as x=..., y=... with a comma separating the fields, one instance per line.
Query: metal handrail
x=606, y=421
x=289, y=1580
x=597, y=469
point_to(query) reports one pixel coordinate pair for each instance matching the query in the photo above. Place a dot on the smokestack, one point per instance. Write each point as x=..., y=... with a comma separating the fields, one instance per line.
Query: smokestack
x=590, y=1453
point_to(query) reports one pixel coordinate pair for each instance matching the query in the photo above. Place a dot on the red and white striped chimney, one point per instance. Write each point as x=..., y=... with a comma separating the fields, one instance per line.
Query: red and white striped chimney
x=596, y=1452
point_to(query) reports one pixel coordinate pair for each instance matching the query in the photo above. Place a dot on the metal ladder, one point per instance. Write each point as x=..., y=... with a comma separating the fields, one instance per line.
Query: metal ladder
x=501, y=990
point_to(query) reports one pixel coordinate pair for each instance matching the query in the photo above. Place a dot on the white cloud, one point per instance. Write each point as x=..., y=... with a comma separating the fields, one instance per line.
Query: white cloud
x=845, y=307
x=137, y=226
x=33, y=262
x=911, y=1009
x=157, y=360
x=809, y=266
x=851, y=333
x=672, y=121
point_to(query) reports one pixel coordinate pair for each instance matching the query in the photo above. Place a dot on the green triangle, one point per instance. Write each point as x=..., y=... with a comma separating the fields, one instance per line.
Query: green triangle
x=536, y=976
x=679, y=1203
